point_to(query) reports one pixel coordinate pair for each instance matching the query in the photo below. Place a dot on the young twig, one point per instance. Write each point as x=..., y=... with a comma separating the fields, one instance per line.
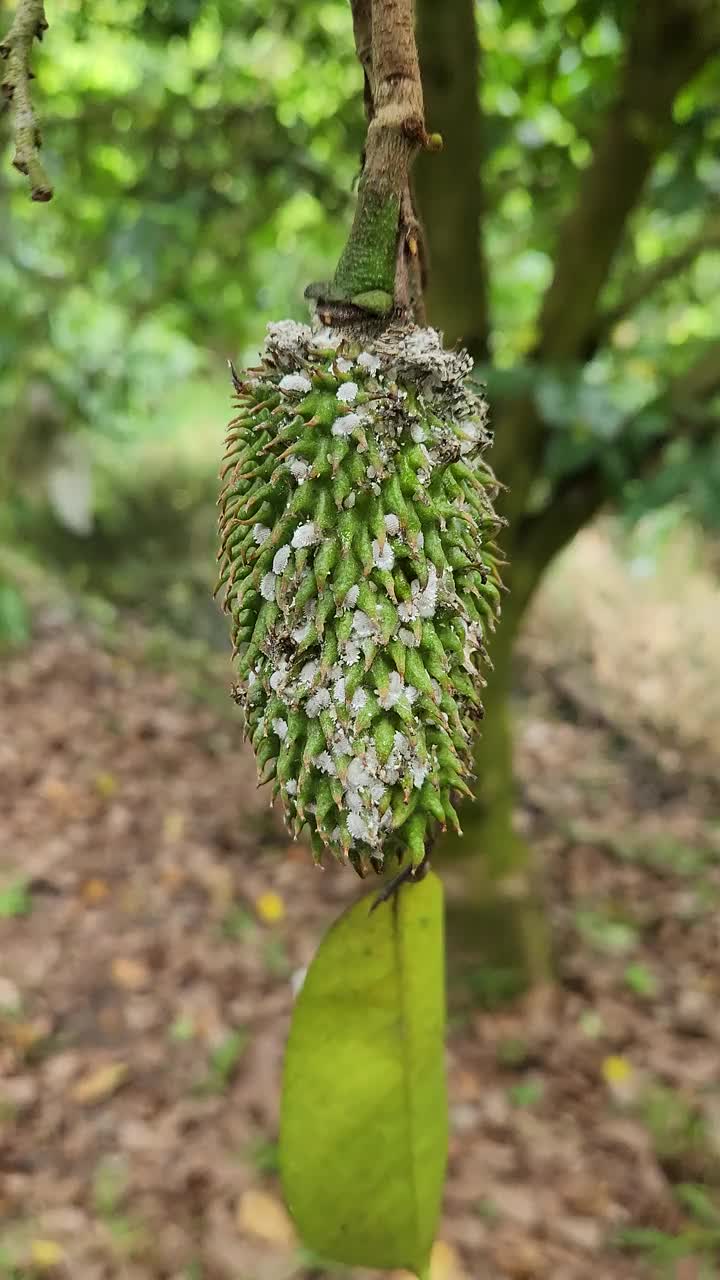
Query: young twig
x=28, y=24
x=380, y=272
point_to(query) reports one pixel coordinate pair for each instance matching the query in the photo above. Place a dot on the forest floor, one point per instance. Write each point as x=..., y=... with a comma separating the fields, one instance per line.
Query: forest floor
x=154, y=919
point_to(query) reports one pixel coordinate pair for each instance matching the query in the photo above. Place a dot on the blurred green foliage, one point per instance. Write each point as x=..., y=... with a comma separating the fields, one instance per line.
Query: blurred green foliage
x=696, y=1245
x=204, y=154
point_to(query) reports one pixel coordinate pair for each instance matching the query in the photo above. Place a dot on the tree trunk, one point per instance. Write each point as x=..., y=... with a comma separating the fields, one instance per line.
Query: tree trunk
x=449, y=185
x=499, y=931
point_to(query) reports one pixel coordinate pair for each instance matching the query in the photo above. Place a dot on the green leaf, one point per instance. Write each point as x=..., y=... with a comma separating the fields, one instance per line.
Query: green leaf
x=15, y=900
x=226, y=1056
x=641, y=980
x=223, y=1061
x=698, y=1201
x=606, y=931
x=526, y=1093
x=363, y=1140
x=14, y=622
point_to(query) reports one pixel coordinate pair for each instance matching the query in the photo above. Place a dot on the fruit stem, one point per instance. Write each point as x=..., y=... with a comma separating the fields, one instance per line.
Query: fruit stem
x=28, y=25
x=408, y=872
x=381, y=268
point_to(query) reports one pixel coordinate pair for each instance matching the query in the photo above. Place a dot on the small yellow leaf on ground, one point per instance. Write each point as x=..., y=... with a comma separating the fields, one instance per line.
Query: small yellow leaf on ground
x=129, y=973
x=45, y=1254
x=621, y=1079
x=270, y=907
x=106, y=785
x=173, y=825
x=94, y=890
x=101, y=1083
x=616, y=1070
x=445, y=1264
x=261, y=1215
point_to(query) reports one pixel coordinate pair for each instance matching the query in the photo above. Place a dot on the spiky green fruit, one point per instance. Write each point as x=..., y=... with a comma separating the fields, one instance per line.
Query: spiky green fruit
x=359, y=571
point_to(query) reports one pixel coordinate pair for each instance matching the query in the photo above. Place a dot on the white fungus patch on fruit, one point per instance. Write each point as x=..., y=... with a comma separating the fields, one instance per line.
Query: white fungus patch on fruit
x=368, y=361
x=347, y=393
x=345, y=425
x=298, y=469
x=295, y=382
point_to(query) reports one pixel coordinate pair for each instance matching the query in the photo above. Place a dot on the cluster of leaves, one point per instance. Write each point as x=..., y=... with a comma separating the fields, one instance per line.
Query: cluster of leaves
x=193, y=147
x=550, y=75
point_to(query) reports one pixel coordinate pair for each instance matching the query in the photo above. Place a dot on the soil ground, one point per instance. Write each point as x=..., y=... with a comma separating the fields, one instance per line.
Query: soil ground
x=154, y=918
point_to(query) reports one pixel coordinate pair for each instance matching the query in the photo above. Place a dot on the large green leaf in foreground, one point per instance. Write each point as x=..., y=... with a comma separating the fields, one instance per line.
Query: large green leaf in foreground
x=364, y=1111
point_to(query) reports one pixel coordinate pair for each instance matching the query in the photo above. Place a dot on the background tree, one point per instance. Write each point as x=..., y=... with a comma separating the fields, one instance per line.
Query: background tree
x=203, y=155
x=603, y=374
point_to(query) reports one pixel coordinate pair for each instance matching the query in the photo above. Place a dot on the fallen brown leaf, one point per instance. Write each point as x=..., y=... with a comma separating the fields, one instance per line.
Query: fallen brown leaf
x=261, y=1214
x=129, y=973
x=100, y=1083
x=25, y=1035
x=94, y=890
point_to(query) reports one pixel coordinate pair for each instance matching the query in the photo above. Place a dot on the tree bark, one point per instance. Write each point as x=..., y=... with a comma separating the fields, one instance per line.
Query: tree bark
x=499, y=885
x=498, y=918
x=668, y=43
x=449, y=186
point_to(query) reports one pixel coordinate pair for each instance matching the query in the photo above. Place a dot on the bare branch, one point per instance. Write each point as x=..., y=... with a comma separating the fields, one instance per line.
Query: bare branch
x=28, y=24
